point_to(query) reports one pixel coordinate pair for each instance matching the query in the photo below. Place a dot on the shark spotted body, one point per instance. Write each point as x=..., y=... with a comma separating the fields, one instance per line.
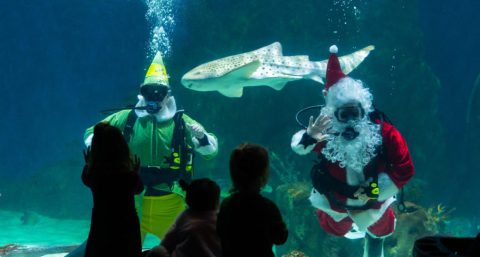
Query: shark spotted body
x=262, y=67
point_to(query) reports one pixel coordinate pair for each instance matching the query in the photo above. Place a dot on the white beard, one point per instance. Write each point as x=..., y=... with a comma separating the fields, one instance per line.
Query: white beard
x=357, y=153
x=169, y=108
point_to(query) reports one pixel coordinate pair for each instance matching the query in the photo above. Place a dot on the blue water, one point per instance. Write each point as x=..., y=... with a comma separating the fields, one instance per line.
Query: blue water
x=452, y=41
x=61, y=60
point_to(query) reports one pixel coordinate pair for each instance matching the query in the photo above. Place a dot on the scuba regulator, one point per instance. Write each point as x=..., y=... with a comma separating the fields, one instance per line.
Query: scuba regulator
x=349, y=133
x=153, y=107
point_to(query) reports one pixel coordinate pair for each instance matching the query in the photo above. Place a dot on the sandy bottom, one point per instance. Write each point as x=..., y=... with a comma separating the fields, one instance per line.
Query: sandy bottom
x=38, y=231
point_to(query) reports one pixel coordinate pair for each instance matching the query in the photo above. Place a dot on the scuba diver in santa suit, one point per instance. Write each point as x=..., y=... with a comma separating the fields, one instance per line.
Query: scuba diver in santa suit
x=363, y=161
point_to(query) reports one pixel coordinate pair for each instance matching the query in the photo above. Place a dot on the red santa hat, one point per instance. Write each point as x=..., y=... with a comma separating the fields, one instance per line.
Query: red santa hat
x=334, y=71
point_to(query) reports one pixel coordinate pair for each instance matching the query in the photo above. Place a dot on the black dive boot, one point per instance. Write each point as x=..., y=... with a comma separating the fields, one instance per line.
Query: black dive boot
x=373, y=246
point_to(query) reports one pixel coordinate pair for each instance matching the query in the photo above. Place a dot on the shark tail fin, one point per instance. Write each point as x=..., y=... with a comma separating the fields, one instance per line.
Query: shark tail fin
x=347, y=62
x=351, y=61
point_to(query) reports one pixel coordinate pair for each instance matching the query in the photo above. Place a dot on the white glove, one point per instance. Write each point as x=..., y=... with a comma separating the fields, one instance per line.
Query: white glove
x=317, y=128
x=196, y=130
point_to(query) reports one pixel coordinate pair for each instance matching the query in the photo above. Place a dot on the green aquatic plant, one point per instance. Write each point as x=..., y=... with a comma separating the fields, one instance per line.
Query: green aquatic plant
x=438, y=216
x=409, y=227
x=413, y=225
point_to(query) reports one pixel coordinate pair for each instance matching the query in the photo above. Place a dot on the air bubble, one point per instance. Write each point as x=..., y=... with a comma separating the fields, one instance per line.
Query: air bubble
x=160, y=13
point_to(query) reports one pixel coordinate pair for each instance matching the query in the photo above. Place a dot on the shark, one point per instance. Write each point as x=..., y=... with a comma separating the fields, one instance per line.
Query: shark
x=265, y=66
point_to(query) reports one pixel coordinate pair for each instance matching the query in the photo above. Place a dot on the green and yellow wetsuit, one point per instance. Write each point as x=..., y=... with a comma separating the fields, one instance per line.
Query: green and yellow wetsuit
x=151, y=141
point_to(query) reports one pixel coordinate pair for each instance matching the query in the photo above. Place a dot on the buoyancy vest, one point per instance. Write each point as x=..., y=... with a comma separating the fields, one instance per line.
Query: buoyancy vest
x=180, y=161
x=326, y=184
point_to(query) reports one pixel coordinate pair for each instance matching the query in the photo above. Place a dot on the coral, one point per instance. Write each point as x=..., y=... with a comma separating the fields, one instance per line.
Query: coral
x=8, y=248
x=413, y=225
x=437, y=217
x=295, y=253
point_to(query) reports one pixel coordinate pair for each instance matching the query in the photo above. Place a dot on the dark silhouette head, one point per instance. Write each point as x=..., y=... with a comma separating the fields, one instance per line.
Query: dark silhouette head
x=249, y=164
x=109, y=150
x=202, y=194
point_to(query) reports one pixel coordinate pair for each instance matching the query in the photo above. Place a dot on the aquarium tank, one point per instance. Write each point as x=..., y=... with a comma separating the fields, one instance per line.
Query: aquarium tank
x=67, y=65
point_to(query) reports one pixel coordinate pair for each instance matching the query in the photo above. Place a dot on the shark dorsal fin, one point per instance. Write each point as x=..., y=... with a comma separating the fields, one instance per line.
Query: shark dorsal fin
x=272, y=50
x=244, y=71
x=232, y=92
x=276, y=49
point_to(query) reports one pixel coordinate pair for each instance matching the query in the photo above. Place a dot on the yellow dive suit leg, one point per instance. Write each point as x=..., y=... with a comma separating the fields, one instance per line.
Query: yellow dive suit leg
x=158, y=213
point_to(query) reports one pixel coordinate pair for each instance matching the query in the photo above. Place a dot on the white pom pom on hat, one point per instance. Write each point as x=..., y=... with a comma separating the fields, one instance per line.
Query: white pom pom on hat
x=333, y=49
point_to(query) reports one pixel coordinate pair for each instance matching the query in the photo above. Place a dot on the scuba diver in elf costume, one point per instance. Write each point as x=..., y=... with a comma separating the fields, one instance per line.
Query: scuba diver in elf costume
x=165, y=139
x=363, y=161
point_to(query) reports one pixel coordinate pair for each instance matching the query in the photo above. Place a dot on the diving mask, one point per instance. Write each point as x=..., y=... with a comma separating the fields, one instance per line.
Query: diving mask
x=154, y=92
x=349, y=113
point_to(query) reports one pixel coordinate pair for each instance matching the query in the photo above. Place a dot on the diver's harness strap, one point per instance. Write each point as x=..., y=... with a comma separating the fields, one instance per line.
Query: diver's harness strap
x=326, y=184
x=182, y=153
x=154, y=175
x=180, y=161
x=128, y=129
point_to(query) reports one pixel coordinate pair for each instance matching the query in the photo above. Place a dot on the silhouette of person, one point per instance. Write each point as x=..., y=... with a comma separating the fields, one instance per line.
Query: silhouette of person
x=194, y=232
x=248, y=223
x=112, y=175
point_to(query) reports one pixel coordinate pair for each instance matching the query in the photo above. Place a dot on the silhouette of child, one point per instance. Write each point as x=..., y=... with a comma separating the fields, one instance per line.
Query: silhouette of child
x=194, y=232
x=112, y=176
x=249, y=224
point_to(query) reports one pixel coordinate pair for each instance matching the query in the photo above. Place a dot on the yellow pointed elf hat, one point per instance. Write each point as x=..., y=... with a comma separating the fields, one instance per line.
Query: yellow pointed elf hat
x=157, y=73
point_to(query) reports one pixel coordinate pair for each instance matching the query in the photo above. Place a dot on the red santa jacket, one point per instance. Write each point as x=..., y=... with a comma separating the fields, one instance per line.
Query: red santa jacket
x=395, y=162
